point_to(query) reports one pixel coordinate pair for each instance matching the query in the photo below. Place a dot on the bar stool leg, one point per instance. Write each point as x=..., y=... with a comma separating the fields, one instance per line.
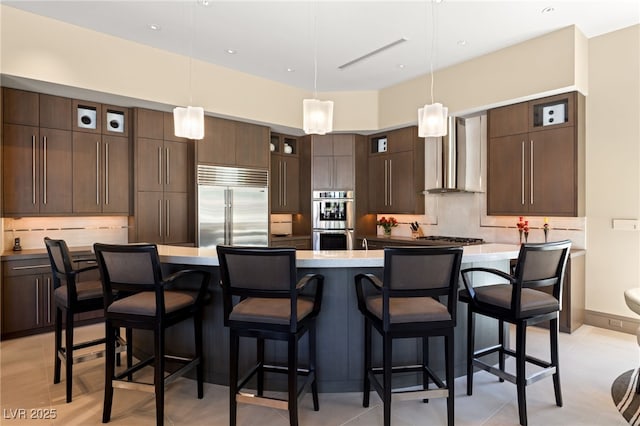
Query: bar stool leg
x=521, y=353
x=501, y=343
x=312, y=365
x=425, y=362
x=197, y=327
x=293, y=379
x=449, y=360
x=110, y=354
x=68, y=351
x=387, y=366
x=260, y=357
x=234, y=349
x=158, y=378
x=553, y=330
x=58, y=339
x=470, y=348
x=367, y=363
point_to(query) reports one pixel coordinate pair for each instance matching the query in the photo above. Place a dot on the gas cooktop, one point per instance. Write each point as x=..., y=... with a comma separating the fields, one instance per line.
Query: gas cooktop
x=439, y=239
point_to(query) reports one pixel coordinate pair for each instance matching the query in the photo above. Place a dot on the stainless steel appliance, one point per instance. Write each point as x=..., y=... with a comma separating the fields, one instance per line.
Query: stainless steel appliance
x=333, y=220
x=233, y=206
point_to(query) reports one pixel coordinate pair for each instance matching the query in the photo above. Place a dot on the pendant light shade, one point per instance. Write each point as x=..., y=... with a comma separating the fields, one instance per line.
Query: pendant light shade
x=432, y=120
x=317, y=116
x=189, y=122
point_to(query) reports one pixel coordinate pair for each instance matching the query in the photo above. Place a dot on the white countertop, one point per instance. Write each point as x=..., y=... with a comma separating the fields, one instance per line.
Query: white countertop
x=335, y=258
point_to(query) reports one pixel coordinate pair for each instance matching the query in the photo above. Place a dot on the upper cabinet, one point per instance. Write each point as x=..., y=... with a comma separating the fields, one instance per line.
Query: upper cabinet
x=333, y=162
x=285, y=179
x=536, y=157
x=233, y=143
x=396, y=172
x=36, y=160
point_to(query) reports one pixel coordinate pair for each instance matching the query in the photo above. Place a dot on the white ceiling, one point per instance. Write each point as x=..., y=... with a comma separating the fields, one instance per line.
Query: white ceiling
x=270, y=36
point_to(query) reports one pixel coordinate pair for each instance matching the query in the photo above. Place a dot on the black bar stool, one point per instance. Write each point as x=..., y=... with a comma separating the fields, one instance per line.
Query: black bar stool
x=148, y=302
x=529, y=296
x=409, y=303
x=71, y=297
x=264, y=300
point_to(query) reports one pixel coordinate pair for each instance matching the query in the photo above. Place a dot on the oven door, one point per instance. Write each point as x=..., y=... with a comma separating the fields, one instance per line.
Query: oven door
x=339, y=239
x=333, y=214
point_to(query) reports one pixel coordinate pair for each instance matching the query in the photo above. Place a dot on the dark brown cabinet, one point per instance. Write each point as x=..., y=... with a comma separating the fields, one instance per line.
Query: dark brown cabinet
x=164, y=167
x=233, y=143
x=396, y=172
x=333, y=162
x=36, y=161
x=537, y=170
x=284, y=179
x=27, y=296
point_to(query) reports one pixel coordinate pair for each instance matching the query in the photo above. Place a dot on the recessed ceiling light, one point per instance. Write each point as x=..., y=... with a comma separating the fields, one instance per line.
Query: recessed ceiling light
x=401, y=66
x=231, y=51
x=462, y=43
x=155, y=27
x=548, y=9
x=290, y=69
x=204, y=2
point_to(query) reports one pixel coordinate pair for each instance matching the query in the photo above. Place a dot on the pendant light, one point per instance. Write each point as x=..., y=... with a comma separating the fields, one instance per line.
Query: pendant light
x=188, y=122
x=317, y=115
x=432, y=118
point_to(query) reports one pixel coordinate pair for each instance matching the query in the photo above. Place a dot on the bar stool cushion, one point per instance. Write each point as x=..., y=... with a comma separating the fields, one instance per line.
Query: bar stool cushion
x=500, y=295
x=84, y=289
x=270, y=310
x=409, y=309
x=144, y=303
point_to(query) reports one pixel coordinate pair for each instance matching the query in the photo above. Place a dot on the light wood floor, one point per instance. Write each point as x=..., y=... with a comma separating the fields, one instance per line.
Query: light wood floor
x=591, y=358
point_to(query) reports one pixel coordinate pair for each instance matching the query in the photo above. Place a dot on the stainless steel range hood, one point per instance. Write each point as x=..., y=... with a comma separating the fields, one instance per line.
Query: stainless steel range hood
x=460, y=156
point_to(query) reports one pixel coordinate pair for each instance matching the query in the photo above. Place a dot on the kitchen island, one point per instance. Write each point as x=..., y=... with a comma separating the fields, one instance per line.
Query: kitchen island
x=340, y=324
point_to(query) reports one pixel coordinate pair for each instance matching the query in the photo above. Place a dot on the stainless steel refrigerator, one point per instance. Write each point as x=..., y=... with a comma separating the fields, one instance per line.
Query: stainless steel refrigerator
x=233, y=206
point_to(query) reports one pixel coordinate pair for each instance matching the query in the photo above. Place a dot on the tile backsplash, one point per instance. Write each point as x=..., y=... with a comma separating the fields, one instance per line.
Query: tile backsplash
x=76, y=231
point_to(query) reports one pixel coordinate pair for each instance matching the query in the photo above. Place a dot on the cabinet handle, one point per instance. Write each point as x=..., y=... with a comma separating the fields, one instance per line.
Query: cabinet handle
x=33, y=169
x=280, y=183
x=386, y=178
x=106, y=173
x=44, y=175
x=522, y=177
x=167, y=217
x=97, y=173
x=160, y=217
x=167, y=161
x=37, y=300
x=390, y=182
x=48, y=300
x=531, y=172
x=20, y=268
x=284, y=184
x=159, y=166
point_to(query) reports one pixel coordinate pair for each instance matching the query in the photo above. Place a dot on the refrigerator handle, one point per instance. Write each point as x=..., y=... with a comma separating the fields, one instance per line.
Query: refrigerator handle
x=228, y=215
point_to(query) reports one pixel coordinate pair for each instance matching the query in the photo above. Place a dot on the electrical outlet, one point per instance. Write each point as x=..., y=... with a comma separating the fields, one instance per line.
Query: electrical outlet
x=615, y=323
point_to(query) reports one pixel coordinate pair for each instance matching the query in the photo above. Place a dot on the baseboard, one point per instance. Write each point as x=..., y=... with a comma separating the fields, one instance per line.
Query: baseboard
x=611, y=321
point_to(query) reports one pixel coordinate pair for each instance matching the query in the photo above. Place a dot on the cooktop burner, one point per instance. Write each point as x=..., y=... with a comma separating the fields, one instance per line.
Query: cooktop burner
x=439, y=239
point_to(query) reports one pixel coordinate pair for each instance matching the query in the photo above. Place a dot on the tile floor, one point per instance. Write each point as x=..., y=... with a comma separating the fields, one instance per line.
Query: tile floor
x=591, y=358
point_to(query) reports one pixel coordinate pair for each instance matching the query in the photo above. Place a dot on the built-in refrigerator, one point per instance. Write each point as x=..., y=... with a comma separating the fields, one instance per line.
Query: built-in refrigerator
x=233, y=206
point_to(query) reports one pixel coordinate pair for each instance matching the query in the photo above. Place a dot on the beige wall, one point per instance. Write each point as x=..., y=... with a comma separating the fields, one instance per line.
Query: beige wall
x=613, y=169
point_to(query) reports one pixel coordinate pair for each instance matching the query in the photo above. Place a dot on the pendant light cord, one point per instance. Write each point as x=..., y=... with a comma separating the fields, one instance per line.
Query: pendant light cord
x=433, y=47
x=315, y=51
x=193, y=25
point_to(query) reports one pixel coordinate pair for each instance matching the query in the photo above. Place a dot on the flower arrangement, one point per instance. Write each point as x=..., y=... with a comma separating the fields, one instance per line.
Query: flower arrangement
x=387, y=224
x=523, y=228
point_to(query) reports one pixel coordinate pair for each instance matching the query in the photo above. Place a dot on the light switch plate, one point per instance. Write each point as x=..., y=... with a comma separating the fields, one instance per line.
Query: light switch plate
x=626, y=225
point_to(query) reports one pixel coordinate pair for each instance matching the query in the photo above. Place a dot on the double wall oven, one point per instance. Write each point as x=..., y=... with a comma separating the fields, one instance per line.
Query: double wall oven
x=333, y=220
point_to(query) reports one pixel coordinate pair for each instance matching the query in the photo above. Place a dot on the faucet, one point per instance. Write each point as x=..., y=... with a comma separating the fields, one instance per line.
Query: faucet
x=364, y=244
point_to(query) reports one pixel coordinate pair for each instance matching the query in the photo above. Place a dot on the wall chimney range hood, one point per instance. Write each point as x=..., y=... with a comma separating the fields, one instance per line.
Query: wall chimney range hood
x=460, y=156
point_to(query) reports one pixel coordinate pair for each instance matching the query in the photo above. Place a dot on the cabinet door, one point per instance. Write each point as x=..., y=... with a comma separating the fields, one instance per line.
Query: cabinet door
x=87, y=180
x=322, y=172
x=20, y=107
x=150, y=217
x=508, y=120
x=275, y=184
x=149, y=124
x=291, y=184
x=149, y=164
x=20, y=169
x=401, y=189
x=343, y=145
x=252, y=145
x=55, y=112
x=176, y=218
x=57, y=175
x=176, y=166
x=21, y=303
x=378, y=184
x=219, y=143
x=322, y=145
x=116, y=174
x=343, y=173
x=553, y=175
x=507, y=191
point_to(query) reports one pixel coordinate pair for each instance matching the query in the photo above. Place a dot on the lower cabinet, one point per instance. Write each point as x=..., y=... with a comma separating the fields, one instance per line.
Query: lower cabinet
x=303, y=243
x=163, y=217
x=27, y=297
